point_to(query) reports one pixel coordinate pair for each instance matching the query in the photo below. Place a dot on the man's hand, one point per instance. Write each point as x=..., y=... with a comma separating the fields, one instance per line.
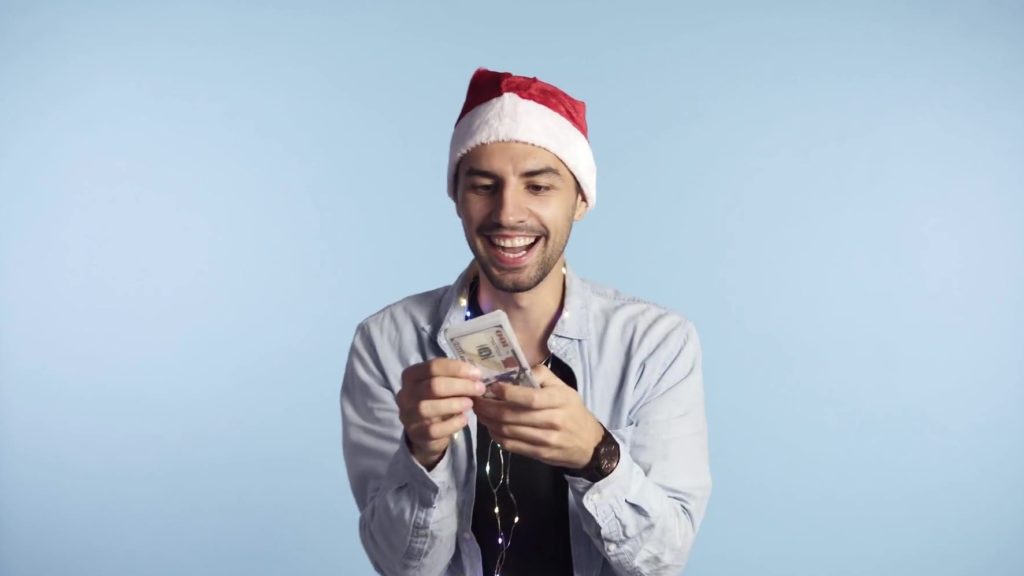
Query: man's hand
x=432, y=405
x=550, y=424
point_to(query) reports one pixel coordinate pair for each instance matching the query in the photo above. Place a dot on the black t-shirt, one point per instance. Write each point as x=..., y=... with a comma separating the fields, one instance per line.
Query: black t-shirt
x=540, y=542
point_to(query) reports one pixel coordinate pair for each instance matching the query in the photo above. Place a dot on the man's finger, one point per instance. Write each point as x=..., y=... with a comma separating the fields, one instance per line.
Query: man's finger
x=528, y=434
x=426, y=432
x=445, y=387
x=440, y=367
x=525, y=396
x=546, y=378
x=442, y=408
x=504, y=412
x=446, y=428
x=524, y=448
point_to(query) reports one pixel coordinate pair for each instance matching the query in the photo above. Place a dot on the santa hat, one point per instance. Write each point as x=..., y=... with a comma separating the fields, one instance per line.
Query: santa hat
x=501, y=107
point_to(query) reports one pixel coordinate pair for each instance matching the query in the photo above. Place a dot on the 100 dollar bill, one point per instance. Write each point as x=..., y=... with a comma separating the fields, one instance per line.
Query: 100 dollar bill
x=489, y=343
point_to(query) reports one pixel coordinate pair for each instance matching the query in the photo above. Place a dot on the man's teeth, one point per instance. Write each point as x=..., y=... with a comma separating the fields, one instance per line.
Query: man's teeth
x=513, y=241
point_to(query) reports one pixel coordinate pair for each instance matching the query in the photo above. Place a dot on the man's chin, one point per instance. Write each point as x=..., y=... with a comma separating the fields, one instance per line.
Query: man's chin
x=512, y=281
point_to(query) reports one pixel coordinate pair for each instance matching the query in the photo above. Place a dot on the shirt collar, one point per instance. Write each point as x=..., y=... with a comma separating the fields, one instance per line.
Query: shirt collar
x=574, y=322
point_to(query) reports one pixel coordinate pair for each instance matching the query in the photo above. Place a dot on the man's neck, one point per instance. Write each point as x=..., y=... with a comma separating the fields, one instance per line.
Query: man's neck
x=533, y=314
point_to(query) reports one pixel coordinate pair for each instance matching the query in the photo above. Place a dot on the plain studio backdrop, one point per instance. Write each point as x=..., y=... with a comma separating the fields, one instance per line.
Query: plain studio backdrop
x=199, y=201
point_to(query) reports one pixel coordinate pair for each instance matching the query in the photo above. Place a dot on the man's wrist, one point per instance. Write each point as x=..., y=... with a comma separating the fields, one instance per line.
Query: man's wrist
x=427, y=460
x=603, y=460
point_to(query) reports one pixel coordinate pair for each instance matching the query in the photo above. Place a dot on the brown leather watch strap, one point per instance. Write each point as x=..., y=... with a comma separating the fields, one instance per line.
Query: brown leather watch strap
x=602, y=462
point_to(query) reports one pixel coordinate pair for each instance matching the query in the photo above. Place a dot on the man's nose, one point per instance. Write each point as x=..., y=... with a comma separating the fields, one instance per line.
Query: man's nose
x=511, y=208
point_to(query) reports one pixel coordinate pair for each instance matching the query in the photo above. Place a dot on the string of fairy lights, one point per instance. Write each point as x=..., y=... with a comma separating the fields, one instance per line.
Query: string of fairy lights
x=503, y=480
x=504, y=541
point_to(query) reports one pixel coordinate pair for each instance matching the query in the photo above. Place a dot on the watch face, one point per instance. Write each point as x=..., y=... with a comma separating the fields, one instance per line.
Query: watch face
x=609, y=457
x=606, y=458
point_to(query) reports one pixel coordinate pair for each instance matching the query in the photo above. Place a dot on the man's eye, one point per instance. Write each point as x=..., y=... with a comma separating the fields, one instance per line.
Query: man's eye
x=538, y=188
x=482, y=188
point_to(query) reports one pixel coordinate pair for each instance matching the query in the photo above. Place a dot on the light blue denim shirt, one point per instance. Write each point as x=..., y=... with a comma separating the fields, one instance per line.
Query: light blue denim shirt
x=638, y=370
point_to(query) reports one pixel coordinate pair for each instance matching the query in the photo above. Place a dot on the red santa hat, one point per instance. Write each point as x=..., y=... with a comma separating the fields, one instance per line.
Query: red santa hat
x=501, y=107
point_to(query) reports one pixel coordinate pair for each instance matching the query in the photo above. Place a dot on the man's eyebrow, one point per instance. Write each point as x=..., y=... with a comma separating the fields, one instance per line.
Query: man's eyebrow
x=471, y=171
x=547, y=170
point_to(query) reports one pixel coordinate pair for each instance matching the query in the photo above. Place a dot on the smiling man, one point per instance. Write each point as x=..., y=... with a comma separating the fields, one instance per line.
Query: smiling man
x=604, y=468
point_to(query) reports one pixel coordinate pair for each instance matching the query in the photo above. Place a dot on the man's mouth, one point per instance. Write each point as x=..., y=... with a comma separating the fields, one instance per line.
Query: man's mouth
x=512, y=250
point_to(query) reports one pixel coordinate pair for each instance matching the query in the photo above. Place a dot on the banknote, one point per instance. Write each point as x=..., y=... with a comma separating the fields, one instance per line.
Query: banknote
x=489, y=343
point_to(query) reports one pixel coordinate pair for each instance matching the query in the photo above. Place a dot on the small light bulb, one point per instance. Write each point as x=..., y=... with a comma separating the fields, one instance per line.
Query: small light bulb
x=495, y=509
x=516, y=521
x=487, y=468
x=499, y=540
x=463, y=301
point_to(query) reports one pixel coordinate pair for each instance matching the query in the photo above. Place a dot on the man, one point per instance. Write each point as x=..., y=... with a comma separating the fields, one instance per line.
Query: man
x=604, y=468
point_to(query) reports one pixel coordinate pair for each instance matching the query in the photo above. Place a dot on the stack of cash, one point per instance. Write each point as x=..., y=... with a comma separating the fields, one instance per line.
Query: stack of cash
x=489, y=343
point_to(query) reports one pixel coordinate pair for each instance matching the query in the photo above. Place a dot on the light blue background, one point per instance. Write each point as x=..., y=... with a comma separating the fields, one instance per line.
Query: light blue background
x=198, y=203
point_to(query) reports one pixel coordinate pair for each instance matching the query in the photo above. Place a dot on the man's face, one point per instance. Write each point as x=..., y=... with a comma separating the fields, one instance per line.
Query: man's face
x=517, y=203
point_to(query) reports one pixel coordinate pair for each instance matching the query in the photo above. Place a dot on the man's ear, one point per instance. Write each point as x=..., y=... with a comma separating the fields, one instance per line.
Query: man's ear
x=581, y=206
x=455, y=189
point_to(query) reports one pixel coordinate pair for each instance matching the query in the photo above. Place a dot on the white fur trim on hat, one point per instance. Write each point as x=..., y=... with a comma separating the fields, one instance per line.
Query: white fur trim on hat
x=509, y=118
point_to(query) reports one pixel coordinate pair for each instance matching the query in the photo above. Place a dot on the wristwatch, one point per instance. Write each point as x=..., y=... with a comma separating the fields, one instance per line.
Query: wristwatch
x=602, y=462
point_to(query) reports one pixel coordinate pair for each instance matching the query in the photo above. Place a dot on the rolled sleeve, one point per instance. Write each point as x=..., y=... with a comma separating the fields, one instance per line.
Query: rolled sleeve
x=645, y=515
x=408, y=515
